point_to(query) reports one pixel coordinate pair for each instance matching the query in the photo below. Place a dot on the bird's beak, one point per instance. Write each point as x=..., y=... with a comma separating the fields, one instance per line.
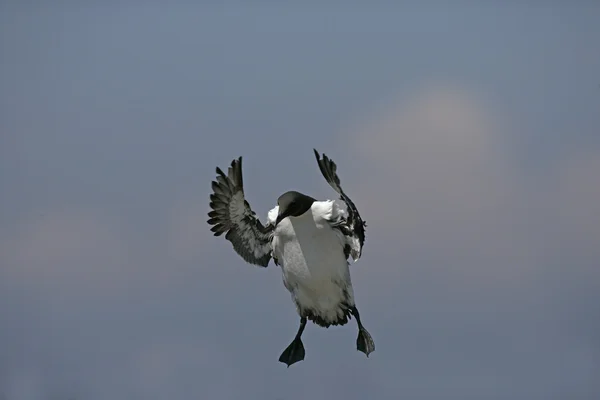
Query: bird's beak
x=280, y=216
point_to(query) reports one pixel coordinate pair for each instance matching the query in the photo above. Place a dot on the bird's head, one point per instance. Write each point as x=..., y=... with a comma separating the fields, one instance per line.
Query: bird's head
x=293, y=204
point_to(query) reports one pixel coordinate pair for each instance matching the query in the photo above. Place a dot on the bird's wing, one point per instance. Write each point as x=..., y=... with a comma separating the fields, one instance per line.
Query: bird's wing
x=231, y=213
x=350, y=223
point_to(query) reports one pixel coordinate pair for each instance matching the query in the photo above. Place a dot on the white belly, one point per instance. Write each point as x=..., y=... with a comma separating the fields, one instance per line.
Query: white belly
x=315, y=270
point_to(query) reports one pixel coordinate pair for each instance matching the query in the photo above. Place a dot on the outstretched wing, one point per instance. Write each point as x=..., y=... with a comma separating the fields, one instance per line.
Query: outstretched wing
x=352, y=225
x=231, y=213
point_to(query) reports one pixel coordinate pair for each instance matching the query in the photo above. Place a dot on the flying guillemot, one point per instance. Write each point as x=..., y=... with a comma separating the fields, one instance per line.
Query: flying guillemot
x=310, y=240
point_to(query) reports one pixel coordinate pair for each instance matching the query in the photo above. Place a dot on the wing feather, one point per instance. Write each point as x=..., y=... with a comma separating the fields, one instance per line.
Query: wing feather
x=351, y=225
x=231, y=214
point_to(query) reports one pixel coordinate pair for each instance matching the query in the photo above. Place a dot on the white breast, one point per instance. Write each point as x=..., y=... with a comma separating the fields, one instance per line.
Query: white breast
x=314, y=267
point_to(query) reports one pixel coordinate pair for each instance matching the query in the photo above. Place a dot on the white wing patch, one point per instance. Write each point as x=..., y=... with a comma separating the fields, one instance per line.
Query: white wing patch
x=335, y=213
x=272, y=215
x=348, y=219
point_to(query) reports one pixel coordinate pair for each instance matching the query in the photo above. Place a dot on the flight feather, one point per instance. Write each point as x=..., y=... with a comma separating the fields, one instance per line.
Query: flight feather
x=231, y=214
x=350, y=223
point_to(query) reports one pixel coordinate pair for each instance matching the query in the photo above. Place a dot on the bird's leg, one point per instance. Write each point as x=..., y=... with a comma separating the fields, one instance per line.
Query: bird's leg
x=364, y=342
x=295, y=351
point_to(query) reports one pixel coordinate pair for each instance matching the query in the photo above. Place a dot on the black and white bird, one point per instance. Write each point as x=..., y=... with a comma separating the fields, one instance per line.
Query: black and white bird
x=310, y=240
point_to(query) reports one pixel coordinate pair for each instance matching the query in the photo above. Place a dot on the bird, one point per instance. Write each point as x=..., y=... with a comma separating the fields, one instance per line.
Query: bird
x=312, y=241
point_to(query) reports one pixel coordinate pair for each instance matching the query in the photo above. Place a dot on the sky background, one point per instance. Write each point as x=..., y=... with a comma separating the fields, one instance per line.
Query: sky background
x=468, y=137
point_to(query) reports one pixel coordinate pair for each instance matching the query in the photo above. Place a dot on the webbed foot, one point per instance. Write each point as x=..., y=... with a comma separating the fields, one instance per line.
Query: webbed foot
x=365, y=342
x=293, y=353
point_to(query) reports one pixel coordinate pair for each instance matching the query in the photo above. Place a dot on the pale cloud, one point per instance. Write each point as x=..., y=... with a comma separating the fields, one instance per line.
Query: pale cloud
x=434, y=153
x=439, y=177
x=439, y=119
x=87, y=252
x=78, y=250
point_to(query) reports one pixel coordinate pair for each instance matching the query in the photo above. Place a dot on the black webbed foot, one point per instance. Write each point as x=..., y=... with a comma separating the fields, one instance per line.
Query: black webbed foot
x=293, y=353
x=365, y=342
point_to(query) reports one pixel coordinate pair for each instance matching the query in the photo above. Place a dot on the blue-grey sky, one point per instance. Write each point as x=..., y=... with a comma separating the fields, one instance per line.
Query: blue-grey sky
x=468, y=136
